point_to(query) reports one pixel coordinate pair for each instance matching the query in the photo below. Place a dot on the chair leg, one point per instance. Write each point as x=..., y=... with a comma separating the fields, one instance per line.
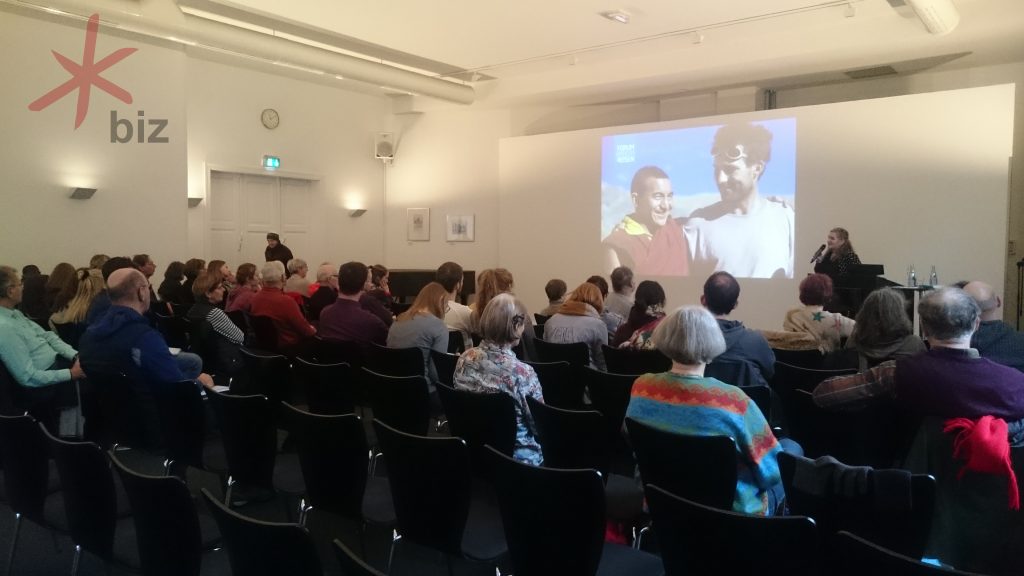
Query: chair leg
x=395, y=537
x=639, y=536
x=14, y=543
x=448, y=563
x=74, y=563
x=227, y=491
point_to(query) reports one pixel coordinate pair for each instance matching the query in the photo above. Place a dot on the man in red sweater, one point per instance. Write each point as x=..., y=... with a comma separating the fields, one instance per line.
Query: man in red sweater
x=271, y=301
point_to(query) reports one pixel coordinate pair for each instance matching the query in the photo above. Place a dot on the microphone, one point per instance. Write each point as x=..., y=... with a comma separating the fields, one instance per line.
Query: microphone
x=814, y=259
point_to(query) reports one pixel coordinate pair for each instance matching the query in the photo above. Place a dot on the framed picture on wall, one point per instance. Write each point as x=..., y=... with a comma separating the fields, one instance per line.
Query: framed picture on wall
x=460, y=228
x=417, y=224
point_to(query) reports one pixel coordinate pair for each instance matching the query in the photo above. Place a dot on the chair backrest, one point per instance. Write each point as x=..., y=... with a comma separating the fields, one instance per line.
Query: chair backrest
x=71, y=332
x=240, y=319
x=166, y=523
x=445, y=364
x=180, y=309
x=480, y=418
x=330, y=388
x=264, y=332
x=456, y=342
x=175, y=330
x=856, y=556
x=430, y=485
x=259, y=548
x=695, y=539
x=703, y=468
x=266, y=374
x=333, y=454
x=538, y=331
x=806, y=358
x=352, y=565
x=331, y=351
x=182, y=422
x=560, y=383
x=396, y=361
x=25, y=456
x=609, y=395
x=898, y=519
x=540, y=318
x=554, y=519
x=11, y=402
x=571, y=438
x=735, y=372
x=636, y=362
x=402, y=402
x=249, y=436
x=762, y=397
x=89, y=497
x=795, y=377
x=127, y=411
x=575, y=353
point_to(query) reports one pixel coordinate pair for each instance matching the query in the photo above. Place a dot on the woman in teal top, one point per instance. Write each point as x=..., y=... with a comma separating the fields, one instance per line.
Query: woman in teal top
x=685, y=402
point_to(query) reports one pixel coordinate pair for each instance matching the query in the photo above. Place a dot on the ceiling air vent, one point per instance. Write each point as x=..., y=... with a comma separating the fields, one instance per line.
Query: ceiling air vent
x=875, y=72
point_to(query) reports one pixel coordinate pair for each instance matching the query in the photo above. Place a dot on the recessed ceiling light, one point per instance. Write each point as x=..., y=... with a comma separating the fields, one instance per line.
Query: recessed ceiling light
x=620, y=16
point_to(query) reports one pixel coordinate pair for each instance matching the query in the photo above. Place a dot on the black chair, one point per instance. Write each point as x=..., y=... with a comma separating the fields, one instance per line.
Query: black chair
x=456, y=342
x=12, y=402
x=266, y=374
x=790, y=377
x=331, y=351
x=126, y=412
x=175, y=330
x=183, y=427
x=554, y=521
x=351, y=565
x=762, y=397
x=695, y=539
x=808, y=358
x=167, y=526
x=609, y=395
x=257, y=548
x=396, y=361
x=98, y=520
x=180, y=309
x=576, y=353
x=240, y=319
x=628, y=361
x=703, y=468
x=898, y=519
x=736, y=372
x=402, y=402
x=71, y=332
x=330, y=388
x=480, y=418
x=540, y=318
x=30, y=486
x=857, y=556
x=560, y=383
x=445, y=364
x=431, y=486
x=264, y=333
x=538, y=331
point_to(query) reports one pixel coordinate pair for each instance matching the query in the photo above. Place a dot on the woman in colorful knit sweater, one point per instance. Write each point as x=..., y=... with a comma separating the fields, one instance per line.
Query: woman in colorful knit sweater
x=683, y=401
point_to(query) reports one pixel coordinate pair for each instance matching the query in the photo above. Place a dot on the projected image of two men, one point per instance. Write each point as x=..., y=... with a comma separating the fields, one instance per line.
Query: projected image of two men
x=697, y=200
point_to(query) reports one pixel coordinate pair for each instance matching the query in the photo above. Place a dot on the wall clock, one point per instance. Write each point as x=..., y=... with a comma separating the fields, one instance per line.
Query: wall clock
x=270, y=118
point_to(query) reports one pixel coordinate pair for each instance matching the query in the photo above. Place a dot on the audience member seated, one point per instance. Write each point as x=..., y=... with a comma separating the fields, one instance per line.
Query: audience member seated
x=422, y=326
x=122, y=341
x=222, y=338
x=169, y=291
x=377, y=297
x=143, y=263
x=247, y=284
x=490, y=283
x=579, y=320
x=458, y=316
x=684, y=401
x=620, y=300
x=555, y=290
x=721, y=296
x=271, y=301
x=611, y=321
x=36, y=359
x=492, y=367
x=297, y=272
x=33, y=301
x=828, y=328
x=995, y=339
x=60, y=287
x=227, y=276
x=98, y=260
x=326, y=290
x=883, y=331
x=950, y=380
x=101, y=302
x=90, y=285
x=648, y=309
x=192, y=269
x=346, y=319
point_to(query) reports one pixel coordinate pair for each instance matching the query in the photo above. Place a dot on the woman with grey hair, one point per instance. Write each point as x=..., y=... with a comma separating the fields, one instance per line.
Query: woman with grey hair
x=492, y=367
x=684, y=401
x=297, y=281
x=883, y=331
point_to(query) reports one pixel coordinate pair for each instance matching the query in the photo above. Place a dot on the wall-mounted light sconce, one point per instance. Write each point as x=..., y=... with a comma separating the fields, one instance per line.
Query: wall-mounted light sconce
x=82, y=193
x=193, y=202
x=357, y=212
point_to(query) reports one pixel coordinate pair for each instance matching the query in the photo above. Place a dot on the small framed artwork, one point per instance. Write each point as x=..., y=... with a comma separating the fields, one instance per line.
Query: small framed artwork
x=417, y=224
x=460, y=228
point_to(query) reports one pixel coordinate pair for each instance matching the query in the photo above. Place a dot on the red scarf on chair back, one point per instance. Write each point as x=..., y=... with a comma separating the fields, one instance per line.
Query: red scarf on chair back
x=984, y=447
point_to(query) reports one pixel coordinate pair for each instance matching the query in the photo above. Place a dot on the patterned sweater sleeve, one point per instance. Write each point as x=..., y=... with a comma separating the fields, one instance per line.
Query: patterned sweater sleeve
x=759, y=447
x=224, y=326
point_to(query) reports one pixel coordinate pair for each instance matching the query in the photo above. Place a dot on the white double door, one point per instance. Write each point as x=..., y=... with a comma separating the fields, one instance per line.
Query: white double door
x=244, y=207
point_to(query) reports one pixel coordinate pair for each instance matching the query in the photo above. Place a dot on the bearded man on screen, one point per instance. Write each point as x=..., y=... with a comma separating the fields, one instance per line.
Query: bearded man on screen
x=649, y=240
x=745, y=234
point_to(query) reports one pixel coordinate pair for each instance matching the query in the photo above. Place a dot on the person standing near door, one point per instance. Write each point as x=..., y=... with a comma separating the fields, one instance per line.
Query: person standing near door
x=277, y=251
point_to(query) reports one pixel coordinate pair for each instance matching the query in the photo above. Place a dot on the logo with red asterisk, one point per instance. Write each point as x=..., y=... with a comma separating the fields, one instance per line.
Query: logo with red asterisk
x=84, y=75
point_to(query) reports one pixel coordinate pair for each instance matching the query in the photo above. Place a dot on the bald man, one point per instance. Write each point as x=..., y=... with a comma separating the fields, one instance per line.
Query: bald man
x=995, y=339
x=121, y=340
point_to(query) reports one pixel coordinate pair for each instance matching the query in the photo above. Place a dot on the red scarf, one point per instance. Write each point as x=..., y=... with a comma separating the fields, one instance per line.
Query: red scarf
x=984, y=448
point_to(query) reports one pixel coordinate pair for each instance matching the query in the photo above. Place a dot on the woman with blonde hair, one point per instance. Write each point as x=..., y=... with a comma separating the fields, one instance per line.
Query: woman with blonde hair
x=90, y=284
x=422, y=326
x=579, y=320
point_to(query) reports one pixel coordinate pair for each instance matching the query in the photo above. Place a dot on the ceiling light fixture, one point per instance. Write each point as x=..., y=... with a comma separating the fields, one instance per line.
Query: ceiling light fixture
x=620, y=16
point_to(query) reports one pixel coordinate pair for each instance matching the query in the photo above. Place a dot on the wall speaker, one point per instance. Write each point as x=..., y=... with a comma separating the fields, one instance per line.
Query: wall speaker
x=384, y=146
